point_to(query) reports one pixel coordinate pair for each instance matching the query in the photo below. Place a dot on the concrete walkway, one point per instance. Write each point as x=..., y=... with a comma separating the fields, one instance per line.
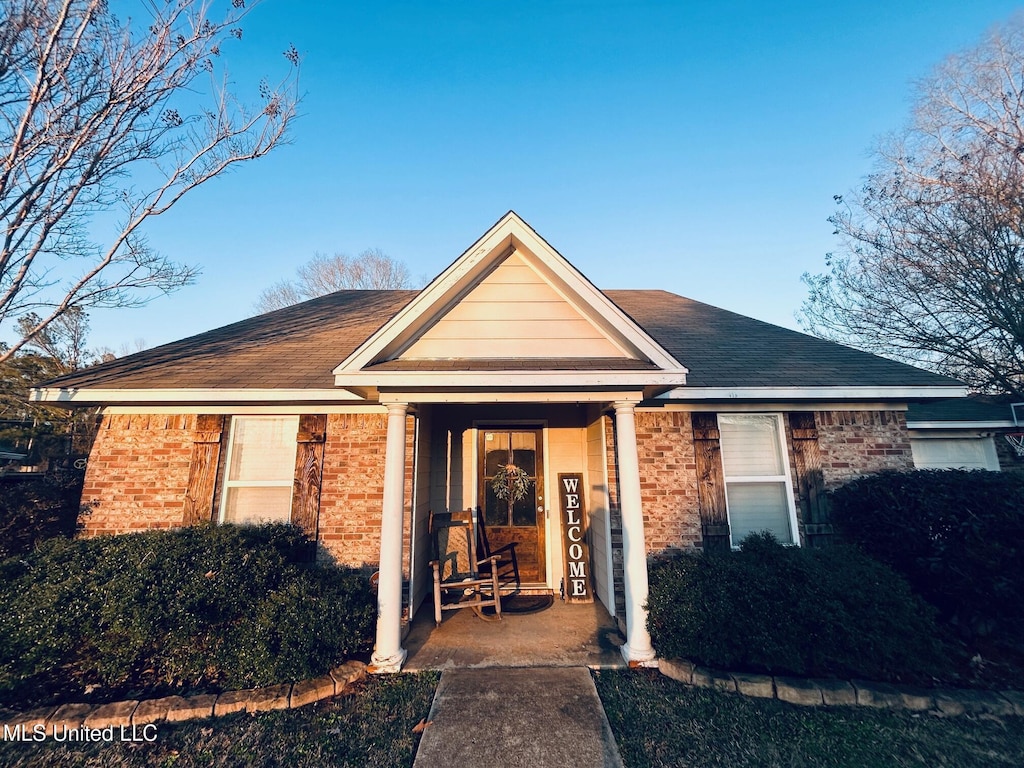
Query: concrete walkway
x=517, y=718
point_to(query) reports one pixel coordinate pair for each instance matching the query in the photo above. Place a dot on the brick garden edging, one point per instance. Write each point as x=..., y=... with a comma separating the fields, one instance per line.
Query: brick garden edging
x=174, y=709
x=817, y=692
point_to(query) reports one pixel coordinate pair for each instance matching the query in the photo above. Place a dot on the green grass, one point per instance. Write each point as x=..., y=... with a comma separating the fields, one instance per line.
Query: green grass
x=371, y=727
x=659, y=722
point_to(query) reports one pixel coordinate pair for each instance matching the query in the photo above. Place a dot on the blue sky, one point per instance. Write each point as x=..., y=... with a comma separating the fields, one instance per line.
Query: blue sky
x=690, y=146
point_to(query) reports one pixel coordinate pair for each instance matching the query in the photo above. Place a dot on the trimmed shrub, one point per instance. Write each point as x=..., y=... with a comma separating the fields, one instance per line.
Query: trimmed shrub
x=204, y=607
x=35, y=509
x=788, y=610
x=957, y=536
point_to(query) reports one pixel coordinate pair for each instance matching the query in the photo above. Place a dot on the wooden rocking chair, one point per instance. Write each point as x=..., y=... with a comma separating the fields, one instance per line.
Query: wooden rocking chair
x=472, y=589
x=506, y=563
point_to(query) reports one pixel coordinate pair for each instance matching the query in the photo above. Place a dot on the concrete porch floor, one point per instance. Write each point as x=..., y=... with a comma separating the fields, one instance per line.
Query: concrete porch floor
x=561, y=636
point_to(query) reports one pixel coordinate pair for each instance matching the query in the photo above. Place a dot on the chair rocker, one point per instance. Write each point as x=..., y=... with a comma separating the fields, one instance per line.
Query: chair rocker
x=471, y=589
x=506, y=563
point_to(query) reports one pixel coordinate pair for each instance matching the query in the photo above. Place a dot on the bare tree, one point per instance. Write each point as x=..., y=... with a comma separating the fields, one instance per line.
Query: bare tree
x=63, y=340
x=370, y=270
x=931, y=268
x=104, y=124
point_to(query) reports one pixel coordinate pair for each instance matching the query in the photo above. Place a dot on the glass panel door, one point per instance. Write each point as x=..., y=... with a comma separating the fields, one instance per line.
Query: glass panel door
x=511, y=489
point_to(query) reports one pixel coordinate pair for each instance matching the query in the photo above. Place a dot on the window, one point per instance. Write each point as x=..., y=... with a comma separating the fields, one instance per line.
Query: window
x=758, y=490
x=955, y=453
x=260, y=470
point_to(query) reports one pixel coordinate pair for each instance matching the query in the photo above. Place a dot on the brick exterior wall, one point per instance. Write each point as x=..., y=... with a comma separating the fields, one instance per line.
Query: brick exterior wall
x=1009, y=461
x=856, y=443
x=352, y=490
x=137, y=473
x=668, y=481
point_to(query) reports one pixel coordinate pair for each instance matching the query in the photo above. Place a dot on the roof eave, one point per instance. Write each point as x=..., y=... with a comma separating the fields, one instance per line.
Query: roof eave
x=965, y=424
x=88, y=396
x=825, y=393
x=511, y=379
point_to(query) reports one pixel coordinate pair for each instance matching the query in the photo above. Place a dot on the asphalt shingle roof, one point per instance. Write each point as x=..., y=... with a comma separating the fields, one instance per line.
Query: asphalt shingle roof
x=974, y=408
x=298, y=347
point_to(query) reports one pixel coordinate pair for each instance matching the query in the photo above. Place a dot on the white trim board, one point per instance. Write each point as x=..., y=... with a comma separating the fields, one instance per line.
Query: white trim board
x=814, y=393
x=1006, y=423
x=97, y=395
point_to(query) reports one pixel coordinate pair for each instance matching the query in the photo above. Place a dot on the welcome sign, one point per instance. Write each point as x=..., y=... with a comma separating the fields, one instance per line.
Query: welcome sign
x=575, y=551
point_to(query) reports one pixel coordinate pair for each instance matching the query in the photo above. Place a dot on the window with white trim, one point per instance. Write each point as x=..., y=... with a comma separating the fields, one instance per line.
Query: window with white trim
x=955, y=453
x=260, y=470
x=758, y=487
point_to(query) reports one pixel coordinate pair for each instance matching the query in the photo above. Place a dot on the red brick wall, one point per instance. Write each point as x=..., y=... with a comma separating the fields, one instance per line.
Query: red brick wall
x=668, y=480
x=352, y=490
x=855, y=443
x=137, y=473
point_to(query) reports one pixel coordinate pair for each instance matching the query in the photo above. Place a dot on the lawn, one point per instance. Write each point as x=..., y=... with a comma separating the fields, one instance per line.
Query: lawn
x=371, y=727
x=656, y=721
x=659, y=722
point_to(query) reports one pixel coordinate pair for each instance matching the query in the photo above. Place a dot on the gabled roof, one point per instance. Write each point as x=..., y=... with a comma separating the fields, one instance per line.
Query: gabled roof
x=296, y=349
x=510, y=297
x=466, y=330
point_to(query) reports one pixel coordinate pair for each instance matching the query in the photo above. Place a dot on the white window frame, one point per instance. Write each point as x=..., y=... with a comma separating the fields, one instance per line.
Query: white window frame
x=918, y=448
x=228, y=483
x=786, y=478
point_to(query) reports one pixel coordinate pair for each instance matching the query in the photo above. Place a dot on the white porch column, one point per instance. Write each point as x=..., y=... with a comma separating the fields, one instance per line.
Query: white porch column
x=638, y=639
x=388, y=653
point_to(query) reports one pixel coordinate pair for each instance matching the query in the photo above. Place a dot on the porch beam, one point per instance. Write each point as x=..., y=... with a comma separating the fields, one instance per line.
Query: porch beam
x=388, y=653
x=486, y=396
x=638, y=647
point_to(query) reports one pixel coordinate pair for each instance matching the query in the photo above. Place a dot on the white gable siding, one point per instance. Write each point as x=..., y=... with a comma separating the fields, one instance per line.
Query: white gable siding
x=513, y=312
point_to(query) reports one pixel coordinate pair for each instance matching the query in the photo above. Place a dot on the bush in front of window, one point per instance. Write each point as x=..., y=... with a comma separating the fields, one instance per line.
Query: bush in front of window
x=956, y=535
x=202, y=608
x=34, y=509
x=786, y=610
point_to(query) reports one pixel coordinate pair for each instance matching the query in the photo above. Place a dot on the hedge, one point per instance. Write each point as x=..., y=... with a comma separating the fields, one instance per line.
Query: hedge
x=208, y=607
x=37, y=508
x=788, y=610
x=956, y=535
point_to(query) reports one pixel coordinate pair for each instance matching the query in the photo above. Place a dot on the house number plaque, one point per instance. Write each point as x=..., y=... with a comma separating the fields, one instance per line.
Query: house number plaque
x=576, y=553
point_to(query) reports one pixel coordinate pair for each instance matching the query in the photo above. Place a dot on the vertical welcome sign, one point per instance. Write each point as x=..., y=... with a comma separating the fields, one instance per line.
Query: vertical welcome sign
x=575, y=551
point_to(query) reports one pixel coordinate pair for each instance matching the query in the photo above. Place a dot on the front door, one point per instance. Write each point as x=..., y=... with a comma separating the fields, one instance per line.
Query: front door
x=511, y=495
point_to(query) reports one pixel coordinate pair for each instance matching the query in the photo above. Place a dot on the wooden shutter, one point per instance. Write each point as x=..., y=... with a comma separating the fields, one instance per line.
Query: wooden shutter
x=714, y=520
x=810, y=480
x=202, y=472
x=309, y=469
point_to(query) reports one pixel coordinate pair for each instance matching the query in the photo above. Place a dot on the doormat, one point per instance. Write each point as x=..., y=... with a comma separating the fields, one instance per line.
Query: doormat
x=520, y=604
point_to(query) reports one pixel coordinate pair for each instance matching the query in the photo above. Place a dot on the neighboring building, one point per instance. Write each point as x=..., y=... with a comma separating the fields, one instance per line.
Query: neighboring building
x=964, y=433
x=356, y=414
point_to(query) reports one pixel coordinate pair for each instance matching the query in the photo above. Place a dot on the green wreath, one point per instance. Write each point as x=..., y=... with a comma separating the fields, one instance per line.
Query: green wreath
x=511, y=482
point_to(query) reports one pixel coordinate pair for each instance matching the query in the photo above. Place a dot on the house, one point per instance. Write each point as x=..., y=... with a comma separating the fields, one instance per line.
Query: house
x=967, y=433
x=356, y=414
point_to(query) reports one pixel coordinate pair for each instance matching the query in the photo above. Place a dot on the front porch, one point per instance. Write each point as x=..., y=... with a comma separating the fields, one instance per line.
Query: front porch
x=561, y=636
x=456, y=448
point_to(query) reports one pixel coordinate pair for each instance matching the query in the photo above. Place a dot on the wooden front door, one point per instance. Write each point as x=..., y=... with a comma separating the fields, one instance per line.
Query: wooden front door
x=511, y=501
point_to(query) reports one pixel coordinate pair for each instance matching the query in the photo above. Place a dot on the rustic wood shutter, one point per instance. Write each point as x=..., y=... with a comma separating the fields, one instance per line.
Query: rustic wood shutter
x=202, y=472
x=309, y=469
x=810, y=480
x=714, y=519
